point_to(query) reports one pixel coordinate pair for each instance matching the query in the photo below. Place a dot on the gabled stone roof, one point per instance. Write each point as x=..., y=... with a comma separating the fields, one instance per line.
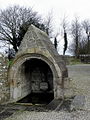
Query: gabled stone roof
x=35, y=38
x=37, y=41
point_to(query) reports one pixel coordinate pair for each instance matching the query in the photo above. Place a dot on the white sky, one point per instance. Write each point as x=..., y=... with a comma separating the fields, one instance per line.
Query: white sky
x=60, y=7
x=70, y=8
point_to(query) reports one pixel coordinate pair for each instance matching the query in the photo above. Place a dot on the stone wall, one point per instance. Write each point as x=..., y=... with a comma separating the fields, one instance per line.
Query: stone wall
x=4, y=87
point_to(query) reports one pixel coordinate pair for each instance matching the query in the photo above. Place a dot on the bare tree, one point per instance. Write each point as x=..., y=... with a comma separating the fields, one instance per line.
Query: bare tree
x=64, y=25
x=86, y=26
x=14, y=22
x=55, y=43
x=49, y=24
x=83, y=46
x=76, y=35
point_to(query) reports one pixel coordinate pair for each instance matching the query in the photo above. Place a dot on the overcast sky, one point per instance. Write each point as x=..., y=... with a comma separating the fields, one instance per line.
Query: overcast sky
x=70, y=8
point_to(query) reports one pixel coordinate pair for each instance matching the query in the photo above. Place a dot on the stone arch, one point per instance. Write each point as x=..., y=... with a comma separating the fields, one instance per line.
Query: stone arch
x=16, y=92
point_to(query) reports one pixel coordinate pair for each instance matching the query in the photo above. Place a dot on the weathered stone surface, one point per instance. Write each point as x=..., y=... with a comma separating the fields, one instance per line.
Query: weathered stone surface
x=4, y=86
x=78, y=102
x=37, y=61
x=43, y=86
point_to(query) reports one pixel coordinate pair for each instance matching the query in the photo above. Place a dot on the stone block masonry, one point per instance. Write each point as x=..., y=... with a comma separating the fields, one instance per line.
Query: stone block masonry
x=4, y=86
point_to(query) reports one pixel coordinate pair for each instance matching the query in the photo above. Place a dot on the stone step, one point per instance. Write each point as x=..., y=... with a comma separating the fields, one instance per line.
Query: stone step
x=54, y=104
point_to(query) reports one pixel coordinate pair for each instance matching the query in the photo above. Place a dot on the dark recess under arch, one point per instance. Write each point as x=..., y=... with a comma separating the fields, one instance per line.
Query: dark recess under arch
x=40, y=76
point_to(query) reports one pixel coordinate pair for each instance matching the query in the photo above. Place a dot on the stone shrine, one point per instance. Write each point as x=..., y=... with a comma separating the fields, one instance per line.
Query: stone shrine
x=37, y=67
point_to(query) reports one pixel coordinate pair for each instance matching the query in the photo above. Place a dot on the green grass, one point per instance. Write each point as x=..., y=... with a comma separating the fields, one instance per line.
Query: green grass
x=73, y=61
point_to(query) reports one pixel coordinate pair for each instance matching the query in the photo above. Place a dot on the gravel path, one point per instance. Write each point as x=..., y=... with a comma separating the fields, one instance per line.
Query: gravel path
x=79, y=115
x=80, y=75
